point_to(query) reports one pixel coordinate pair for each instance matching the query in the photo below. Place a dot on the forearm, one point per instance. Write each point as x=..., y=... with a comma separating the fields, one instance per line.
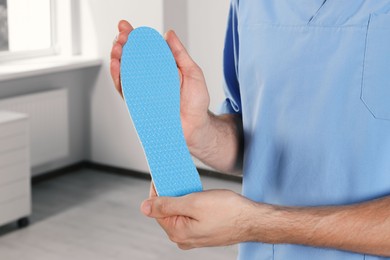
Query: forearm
x=219, y=143
x=362, y=228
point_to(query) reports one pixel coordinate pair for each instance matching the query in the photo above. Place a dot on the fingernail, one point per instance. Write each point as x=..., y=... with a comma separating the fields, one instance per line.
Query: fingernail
x=115, y=40
x=146, y=207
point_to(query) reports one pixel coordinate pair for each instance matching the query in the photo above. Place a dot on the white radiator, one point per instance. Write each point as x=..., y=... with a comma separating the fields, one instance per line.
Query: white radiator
x=48, y=120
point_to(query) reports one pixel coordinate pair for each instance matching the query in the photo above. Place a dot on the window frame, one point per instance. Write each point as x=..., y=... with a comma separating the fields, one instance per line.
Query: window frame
x=53, y=50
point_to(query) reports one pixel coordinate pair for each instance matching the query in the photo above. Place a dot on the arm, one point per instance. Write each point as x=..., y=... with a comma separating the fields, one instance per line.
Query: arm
x=362, y=228
x=215, y=140
x=219, y=144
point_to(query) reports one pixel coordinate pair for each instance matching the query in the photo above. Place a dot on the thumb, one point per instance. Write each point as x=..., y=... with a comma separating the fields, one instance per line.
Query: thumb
x=183, y=59
x=162, y=207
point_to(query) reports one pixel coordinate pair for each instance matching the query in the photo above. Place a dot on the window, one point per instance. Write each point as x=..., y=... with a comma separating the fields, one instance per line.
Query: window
x=26, y=28
x=3, y=26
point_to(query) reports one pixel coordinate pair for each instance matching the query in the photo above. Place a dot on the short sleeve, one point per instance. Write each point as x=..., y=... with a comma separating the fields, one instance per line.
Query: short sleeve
x=232, y=103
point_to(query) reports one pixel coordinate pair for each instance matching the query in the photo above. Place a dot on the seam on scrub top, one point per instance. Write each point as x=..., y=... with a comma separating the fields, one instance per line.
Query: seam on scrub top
x=363, y=85
x=304, y=26
x=364, y=69
x=273, y=251
x=314, y=17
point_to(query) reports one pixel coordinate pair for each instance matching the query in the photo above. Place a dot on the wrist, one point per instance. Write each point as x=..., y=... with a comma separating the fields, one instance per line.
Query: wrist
x=273, y=224
x=217, y=141
x=287, y=225
x=200, y=137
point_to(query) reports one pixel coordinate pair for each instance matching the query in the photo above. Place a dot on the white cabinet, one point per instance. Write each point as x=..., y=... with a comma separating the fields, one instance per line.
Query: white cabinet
x=15, y=177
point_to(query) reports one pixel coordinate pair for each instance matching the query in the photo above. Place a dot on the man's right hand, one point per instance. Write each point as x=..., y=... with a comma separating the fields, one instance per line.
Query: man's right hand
x=215, y=140
x=194, y=97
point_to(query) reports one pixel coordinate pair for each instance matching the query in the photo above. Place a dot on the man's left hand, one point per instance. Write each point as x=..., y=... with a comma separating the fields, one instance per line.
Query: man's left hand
x=202, y=219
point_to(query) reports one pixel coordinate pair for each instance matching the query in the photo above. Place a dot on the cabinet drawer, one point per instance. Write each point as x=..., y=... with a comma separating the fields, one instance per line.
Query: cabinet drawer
x=15, y=209
x=13, y=128
x=13, y=157
x=12, y=143
x=14, y=172
x=14, y=191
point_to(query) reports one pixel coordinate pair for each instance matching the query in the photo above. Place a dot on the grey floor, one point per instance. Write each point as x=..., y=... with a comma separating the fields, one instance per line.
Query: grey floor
x=89, y=214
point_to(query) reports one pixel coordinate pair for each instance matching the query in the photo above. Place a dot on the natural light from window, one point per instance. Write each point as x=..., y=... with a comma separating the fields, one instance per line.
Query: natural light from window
x=25, y=26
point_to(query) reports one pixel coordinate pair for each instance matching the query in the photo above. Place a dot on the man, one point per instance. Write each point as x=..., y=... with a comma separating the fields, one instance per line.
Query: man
x=307, y=114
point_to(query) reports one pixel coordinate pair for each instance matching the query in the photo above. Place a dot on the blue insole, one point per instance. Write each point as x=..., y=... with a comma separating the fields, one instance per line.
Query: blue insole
x=151, y=89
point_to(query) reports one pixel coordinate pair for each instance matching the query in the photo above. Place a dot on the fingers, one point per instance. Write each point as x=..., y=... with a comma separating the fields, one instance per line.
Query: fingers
x=125, y=29
x=183, y=59
x=152, y=191
x=115, y=71
x=116, y=51
x=125, y=26
x=163, y=207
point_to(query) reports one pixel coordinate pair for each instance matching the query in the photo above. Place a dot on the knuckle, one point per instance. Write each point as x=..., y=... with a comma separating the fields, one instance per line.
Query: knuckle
x=174, y=239
x=179, y=52
x=195, y=69
x=184, y=246
x=163, y=207
x=196, y=72
x=177, y=238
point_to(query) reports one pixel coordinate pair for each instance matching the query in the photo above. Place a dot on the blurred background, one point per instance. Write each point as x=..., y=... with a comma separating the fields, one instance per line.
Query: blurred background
x=3, y=26
x=64, y=128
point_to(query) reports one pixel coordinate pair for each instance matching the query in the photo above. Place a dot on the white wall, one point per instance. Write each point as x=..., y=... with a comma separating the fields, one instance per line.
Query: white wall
x=175, y=17
x=200, y=23
x=207, y=22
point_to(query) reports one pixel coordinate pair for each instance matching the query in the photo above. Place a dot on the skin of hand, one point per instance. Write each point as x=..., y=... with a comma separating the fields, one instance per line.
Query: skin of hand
x=204, y=219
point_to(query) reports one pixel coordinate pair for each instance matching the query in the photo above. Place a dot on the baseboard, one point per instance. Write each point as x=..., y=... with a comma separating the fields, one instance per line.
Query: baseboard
x=122, y=171
x=219, y=175
x=58, y=172
x=117, y=170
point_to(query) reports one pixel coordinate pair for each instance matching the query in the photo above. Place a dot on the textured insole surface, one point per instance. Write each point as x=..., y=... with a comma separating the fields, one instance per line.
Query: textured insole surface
x=151, y=88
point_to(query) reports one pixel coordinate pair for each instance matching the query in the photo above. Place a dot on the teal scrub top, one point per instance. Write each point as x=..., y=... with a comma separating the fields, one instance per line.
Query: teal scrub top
x=311, y=79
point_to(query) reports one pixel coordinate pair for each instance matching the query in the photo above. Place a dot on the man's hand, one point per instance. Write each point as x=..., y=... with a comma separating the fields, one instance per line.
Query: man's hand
x=194, y=97
x=215, y=140
x=208, y=218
